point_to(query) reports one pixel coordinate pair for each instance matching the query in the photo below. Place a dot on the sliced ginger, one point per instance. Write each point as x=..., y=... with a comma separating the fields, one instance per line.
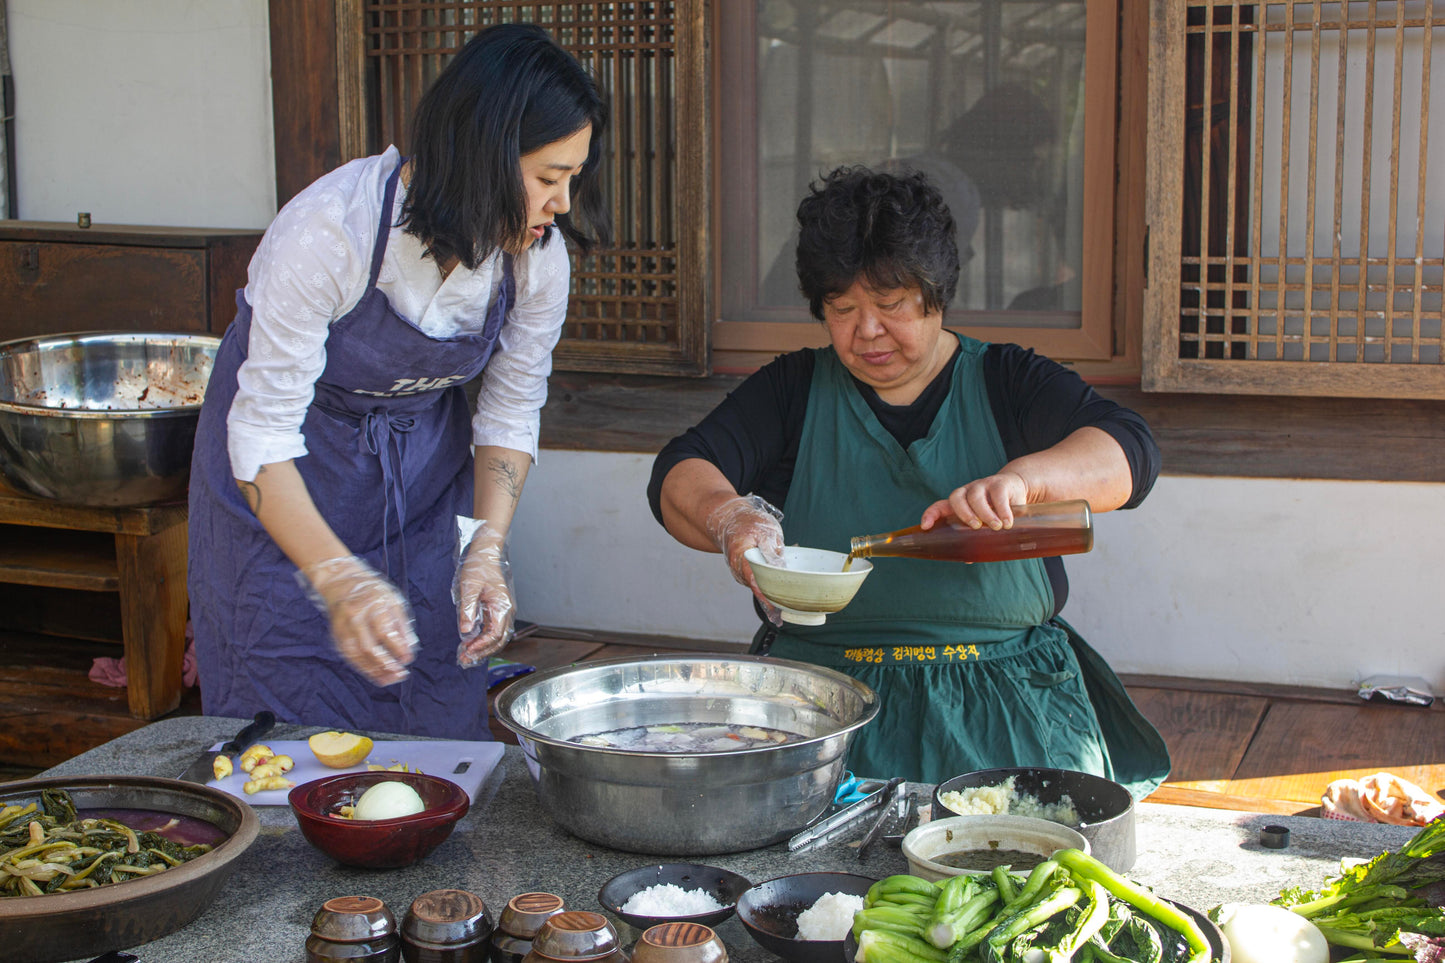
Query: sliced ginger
x=275, y=766
x=254, y=786
x=254, y=756
x=221, y=766
x=339, y=750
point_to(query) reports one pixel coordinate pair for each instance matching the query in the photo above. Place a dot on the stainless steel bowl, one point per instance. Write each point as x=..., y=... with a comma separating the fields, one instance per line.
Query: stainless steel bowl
x=102, y=418
x=686, y=803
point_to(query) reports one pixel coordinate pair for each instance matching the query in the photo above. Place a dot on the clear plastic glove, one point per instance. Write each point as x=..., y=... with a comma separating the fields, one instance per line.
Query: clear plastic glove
x=745, y=522
x=371, y=622
x=482, y=591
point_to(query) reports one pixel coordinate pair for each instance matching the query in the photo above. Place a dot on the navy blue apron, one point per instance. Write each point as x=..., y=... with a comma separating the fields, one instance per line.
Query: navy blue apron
x=389, y=466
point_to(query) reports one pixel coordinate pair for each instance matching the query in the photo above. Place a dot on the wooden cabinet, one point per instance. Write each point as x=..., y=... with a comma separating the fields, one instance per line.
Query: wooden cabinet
x=138, y=554
x=58, y=278
x=67, y=574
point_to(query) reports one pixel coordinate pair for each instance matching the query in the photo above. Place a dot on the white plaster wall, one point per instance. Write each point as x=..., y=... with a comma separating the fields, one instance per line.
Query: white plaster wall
x=1285, y=581
x=143, y=112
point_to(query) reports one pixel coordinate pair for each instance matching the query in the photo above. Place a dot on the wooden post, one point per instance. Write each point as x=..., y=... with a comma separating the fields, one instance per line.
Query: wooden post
x=153, y=607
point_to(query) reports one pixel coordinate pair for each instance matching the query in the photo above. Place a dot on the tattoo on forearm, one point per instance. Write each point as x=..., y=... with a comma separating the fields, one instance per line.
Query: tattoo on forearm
x=251, y=492
x=507, y=477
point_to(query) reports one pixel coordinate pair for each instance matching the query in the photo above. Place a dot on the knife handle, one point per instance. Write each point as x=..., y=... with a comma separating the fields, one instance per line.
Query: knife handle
x=259, y=726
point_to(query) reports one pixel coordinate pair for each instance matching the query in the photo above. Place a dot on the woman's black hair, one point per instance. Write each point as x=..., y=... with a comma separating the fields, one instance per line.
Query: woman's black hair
x=892, y=230
x=511, y=90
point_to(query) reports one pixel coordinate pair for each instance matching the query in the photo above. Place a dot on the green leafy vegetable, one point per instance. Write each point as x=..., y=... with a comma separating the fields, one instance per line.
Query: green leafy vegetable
x=47, y=849
x=1388, y=905
x=1068, y=908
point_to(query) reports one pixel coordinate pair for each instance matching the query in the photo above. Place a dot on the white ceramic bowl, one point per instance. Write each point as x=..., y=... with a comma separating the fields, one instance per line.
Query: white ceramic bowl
x=810, y=583
x=961, y=833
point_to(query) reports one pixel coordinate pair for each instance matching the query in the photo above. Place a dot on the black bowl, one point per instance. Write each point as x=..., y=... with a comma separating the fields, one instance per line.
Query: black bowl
x=769, y=911
x=1105, y=806
x=1217, y=943
x=720, y=884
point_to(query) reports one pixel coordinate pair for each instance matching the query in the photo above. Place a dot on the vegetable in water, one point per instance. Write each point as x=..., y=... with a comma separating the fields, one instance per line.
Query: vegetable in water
x=1270, y=934
x=46, y=848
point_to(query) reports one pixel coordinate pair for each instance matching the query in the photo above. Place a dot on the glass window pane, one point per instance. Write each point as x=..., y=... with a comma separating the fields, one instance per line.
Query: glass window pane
x=986, y=98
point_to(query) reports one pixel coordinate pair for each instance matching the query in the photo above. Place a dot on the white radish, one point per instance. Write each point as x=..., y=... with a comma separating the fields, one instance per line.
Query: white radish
x=1260, y=933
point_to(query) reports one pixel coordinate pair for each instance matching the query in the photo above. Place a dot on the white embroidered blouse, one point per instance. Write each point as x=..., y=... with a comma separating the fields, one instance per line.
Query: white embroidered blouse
x=312, y=267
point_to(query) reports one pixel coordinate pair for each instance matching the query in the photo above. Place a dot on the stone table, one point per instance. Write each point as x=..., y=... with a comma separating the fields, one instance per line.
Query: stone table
x=507, y=844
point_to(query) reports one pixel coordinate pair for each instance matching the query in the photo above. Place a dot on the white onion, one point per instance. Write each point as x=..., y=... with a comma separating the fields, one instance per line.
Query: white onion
x=388, y=800
x=1260, y=933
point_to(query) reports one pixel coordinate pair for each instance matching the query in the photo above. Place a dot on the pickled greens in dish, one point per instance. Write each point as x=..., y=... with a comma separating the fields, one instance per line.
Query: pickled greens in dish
x=688, y=737
x=46, y=847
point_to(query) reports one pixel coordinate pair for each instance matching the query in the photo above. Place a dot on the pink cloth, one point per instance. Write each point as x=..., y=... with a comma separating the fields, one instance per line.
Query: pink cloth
x=1380, y=798
x=108, y=671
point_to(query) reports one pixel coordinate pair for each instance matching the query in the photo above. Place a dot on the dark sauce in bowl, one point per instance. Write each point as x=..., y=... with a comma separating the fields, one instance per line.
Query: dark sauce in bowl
x=983, y=860
x=182, y=830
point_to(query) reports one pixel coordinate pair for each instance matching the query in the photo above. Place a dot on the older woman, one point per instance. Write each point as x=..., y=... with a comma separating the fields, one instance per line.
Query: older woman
x=897, y=422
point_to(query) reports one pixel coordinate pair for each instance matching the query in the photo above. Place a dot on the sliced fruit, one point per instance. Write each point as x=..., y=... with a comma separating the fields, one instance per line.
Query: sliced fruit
x=339, y=750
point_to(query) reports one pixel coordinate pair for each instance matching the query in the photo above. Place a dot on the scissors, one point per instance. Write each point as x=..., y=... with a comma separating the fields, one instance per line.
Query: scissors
x=851, y=789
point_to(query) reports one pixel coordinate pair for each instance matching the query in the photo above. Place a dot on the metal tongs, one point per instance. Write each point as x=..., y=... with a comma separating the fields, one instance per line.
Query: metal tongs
x=844, y=816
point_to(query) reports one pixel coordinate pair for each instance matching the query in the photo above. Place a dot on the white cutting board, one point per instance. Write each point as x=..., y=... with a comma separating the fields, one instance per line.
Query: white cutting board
x=464, y=763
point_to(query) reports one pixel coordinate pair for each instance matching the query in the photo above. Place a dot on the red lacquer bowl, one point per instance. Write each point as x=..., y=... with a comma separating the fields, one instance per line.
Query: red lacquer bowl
x=376, y=843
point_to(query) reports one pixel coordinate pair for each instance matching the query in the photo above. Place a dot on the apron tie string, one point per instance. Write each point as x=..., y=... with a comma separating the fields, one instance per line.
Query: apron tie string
x=380, y=436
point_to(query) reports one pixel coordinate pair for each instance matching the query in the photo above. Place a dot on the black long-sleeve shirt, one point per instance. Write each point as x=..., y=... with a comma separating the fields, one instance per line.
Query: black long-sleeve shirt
x=752, y=436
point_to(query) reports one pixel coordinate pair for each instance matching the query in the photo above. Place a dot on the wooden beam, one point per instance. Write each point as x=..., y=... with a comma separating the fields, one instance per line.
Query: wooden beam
x=1212, y=435
x=304, y=103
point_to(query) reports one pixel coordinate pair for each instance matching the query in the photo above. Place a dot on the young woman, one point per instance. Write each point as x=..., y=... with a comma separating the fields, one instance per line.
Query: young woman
x=334, y=463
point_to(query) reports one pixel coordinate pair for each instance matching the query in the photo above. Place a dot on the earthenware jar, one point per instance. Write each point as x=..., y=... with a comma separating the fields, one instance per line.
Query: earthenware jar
x=446, y=926
x=352, y=929
x=521, y=918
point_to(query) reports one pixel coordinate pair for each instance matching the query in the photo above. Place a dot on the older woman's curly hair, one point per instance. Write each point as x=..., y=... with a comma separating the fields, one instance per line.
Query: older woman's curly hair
x=892, y=230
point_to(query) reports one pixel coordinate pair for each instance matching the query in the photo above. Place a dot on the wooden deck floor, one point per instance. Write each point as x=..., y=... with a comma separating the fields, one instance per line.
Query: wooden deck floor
x=1235, y=746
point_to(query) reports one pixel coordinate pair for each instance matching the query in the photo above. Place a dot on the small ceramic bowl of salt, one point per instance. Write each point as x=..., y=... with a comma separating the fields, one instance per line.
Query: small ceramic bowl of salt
x=804, y=918
x=668, y=892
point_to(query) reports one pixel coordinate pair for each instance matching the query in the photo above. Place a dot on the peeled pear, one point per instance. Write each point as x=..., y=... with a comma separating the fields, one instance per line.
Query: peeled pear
x=339, y=750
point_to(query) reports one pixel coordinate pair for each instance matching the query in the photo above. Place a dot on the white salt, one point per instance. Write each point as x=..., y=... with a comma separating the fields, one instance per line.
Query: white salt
x=670, y=900
x=829, y=918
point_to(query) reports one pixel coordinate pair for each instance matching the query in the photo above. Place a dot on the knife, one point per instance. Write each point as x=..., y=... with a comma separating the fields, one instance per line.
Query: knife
x=202, y=770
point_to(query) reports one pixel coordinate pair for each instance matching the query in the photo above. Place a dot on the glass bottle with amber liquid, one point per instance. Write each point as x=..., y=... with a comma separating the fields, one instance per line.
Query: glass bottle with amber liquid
x=1041, y=530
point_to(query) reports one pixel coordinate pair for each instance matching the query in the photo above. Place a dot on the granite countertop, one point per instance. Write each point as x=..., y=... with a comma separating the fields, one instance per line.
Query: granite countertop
x=507, y=844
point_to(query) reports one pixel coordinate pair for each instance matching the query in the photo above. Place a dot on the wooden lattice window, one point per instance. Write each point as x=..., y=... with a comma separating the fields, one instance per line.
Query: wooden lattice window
x=641, y=304
x=1009, y=107
x=1296, y=199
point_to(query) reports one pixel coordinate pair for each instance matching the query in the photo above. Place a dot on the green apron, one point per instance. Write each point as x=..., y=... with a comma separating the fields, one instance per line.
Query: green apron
x=971, y=670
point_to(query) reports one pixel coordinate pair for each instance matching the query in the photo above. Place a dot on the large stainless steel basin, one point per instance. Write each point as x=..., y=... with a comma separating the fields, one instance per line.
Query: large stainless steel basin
x=686, y=803
x=102, y=418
